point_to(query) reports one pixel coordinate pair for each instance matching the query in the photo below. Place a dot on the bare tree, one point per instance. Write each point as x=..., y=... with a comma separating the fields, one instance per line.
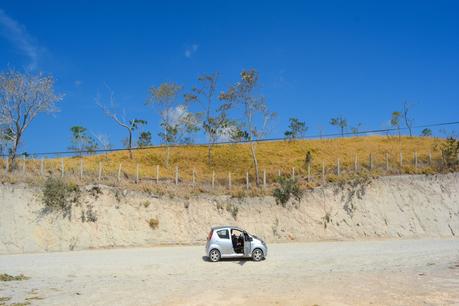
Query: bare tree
x=214, y=121
x=408, y=121
x=129, y=124
x=23, y=96
x=176, y=121
x=253, y=128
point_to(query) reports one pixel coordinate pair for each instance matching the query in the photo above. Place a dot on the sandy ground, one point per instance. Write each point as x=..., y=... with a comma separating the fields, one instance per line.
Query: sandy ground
x=391, y=272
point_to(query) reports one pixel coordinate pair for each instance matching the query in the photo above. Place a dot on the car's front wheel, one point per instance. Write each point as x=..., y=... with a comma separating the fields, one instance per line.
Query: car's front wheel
x=214, y=255
x=257, y=255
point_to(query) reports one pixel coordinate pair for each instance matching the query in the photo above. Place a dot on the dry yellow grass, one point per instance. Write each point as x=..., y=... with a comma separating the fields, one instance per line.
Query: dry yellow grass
x=272, y=156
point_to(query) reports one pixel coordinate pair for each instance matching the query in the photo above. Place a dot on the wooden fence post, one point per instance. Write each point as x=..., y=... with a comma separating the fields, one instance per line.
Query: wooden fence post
x=100, y=171
x=338, y=167
x=415, y=160
x=293, y=172
x=119, y=173
x=387, y=162
x=176, y=175
x=309, y=171
x=229, y=180
x=247, y=180
x=81, y=168
x=62, y=168
x=370, y=161
x=264, y=178
x=430, y=158
x=42, y=167
x=137, y=174
x=23, y=165
x=323, y=172
x=278, y=172
x=213, y=179
x=157, y=174
x=401, y=160
x=356, y=166
x=194, y=177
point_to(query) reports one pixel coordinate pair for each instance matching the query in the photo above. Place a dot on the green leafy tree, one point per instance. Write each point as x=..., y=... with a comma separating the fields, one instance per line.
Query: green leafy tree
x=395, y=122
x=144, y=139
x=256, y=115
x=339, y=122
x=23, y=97
x=81, y=141
x=296, y=129
x=426, y=132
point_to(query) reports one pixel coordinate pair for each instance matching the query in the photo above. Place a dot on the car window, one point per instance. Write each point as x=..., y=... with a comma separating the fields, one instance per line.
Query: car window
x=223, y=234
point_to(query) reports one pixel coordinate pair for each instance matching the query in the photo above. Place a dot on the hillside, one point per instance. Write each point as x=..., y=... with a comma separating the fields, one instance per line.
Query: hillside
x=274, y=157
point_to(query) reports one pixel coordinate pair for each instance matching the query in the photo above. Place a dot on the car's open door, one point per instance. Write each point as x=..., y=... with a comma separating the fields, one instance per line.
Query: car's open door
x=247, y=244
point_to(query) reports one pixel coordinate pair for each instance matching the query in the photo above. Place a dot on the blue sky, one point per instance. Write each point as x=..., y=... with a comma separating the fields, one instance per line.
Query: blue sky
x=317, y=60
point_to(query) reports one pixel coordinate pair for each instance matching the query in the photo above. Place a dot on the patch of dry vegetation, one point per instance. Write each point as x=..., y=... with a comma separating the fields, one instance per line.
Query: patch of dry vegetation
x=9, y=278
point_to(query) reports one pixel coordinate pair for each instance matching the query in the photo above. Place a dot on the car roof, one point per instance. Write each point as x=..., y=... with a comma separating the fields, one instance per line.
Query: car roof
x=227, y=226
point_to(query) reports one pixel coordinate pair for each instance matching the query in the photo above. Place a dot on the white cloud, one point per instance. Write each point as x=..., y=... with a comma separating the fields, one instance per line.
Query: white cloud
x=18, y=36
x=189, y=51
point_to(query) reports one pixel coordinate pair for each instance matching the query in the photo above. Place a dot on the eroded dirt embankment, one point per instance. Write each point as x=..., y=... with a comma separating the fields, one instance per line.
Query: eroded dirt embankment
x=389, y=207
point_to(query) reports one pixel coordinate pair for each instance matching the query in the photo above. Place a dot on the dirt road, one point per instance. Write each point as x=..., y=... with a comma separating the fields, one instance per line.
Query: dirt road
x=396, y=272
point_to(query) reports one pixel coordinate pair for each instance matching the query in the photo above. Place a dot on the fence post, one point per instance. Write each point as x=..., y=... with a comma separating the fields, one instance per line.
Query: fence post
x=7, y=165
x=355, y=164
x=430, y=158
x=42, y=167
x=387, y=162
x=293, y=172
x=371, y=161
x=194, y=178
x=213, y=179
x=229, y=180
x=157, y=174
x=278, y=172
x=415, y=160
x=100, y=171
x=176, y=175
x=119, y=173
x=309, y=171
x=62, y=168
x=23, y=164
x=264, y=178
x=137, y=174
x=337, y=167
x=247, y=180
x=401, y=160
x=323, y=173
x=81, y=168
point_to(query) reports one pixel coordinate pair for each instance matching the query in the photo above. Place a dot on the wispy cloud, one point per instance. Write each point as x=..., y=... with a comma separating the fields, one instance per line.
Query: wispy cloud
x=190, y=50
x=18, y=36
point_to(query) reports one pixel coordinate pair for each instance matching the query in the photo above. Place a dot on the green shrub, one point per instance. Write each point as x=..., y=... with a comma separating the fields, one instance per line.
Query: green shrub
x=59, y=195
x=233, y=209
x=449, y=153
x=288, y=187
x=9, y=278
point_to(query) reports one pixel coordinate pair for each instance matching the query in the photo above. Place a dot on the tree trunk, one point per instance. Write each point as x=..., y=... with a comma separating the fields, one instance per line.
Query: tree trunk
x=255, y=161
x=14, y=151
x=130, y=144
x=209, y=156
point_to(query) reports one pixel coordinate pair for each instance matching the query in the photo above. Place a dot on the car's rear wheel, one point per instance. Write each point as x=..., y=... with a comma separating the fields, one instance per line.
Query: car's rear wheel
x=214, y=255
x=257, y=255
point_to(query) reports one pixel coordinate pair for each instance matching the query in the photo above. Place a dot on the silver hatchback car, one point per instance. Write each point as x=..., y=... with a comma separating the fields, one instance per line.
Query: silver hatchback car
x=233, y=242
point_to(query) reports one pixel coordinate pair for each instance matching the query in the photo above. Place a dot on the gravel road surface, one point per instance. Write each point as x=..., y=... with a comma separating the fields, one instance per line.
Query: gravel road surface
x=391, y=272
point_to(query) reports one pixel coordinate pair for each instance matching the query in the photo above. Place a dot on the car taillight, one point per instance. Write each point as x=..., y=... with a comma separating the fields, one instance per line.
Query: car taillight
x=210, y=235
